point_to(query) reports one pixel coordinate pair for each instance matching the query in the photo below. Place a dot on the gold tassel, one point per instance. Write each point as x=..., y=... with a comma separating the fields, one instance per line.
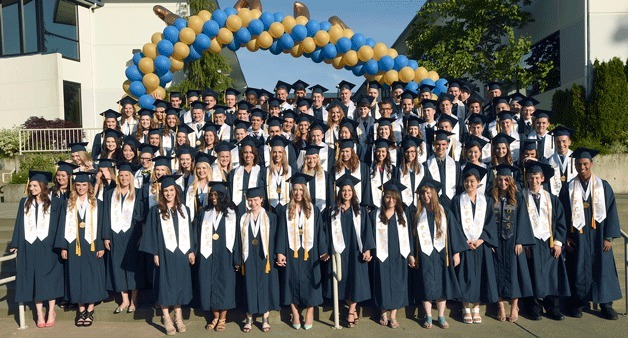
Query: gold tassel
x=78, y=239
x=267, y=270
x=294, y=226
x=593, y=203
x=306, y=253
x=242, y=269
x=549, y=220
x=267, y=264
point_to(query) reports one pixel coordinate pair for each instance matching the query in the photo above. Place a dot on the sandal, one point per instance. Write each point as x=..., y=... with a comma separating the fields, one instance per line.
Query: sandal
x=501, y=314
x=514, y=314
x=442, y=322
x=41, y=323
x=427, y=324
x=80, y=319
x=169, y=326
x=212, y=325
x=467, y=319
x=178, y=323
x=477, y=319
x=351, y=322
x=51, y=322
x=221, y=325
x=394, y=323
x=89, y=319
x=265, y=324
x=383, y=320
x=248, y=323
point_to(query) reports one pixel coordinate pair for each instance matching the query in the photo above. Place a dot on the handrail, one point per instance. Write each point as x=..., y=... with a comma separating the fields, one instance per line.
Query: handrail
x=336, y=262
x=625, y=236
x=54, y=139
x=11, y=279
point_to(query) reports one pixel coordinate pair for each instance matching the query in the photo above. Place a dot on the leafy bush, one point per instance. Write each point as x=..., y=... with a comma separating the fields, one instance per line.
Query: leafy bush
x=40, y=162
x=9, y=143
x=608, y=102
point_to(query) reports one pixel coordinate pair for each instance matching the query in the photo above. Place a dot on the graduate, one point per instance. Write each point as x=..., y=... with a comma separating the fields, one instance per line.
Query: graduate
x=410, y=172
x=561, y=159
x=80, y=157
x=513, y=233
x=170, y=238
x=122, y=230
x=79, y=236
x=62, y=179
x=500, y=154
x=217, y=228
x=105, y=178
x=184, y=164
x=393, y=254
x=197, y=194
x=382, y=169
x=257, y=230
x=319, y=187
x=591, y=214
x=441, y=166
x=473, y=212
x=546, y=260
x=39, y=276
x=349, y=163
x=150, y=189
x=223, y=165
x=250, y=174
x=351, y=236
x=278, y=171
x=473, y=153
x=438, y=243
x=301, y=246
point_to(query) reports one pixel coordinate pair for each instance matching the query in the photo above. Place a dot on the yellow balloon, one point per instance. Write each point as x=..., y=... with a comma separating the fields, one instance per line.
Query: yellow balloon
x=337, y=62
x=150, y=50
x=224, y=36
x=327, y=61
x=335, y=33
x=288, y=23
x=175, y=65
x=187, y=35
x=308, y=45
x=196, y=23
x=379, y=50
x=393, y=53
x=419, y=74
x=351, y=58
x=205, y=15
x=264, y=40
x=233, y=23
x=181, y=50
x=432, y=75
x=125, y=86
x=146, y=65
x=151, y=82
x=406, y=74
x=246, y=16
x=252, y=45
x=215, y=46
x=391, y=76
x=321, y=38
x=256, y=13
x=159, y=92
x=301, y=20
x=156, y=37
x=347, y=33
x=276, y=29
x=296, y=50
x=379, y=77
x=365, y=53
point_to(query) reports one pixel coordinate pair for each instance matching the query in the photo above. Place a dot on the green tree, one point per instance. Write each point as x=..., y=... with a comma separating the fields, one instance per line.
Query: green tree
x=209, y=70
x=476, y=38
x=608, y=102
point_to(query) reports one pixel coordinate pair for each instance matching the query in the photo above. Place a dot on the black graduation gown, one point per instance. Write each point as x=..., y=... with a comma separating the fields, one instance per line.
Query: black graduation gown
x=216, y=274
x=301, y=280
x=329, y=197
x=366, y=197
x=97, y=145
x=592, y=272
x=125, y=265
x=476, y=272
x=173, y=278
x=39, y=274
x=260, y=289
x=86, y=273
x=355, y=284
x=513, y=227
x=390, y=277
x=413, y=184
x=261, y=182
x=549, y=274
x=435, y=277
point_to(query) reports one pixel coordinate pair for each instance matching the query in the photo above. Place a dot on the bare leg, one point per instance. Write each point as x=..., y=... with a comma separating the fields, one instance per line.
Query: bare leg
x=178, y=319
x=169, y=326
x=309, y=316
x=133, y=300
x=40, y=314
x=352, y=316
x=514, y=310
x=393, y=319
x=52, y=315
x=296, y=316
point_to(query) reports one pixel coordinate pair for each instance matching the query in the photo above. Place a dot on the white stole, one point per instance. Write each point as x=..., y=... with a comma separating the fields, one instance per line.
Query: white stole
x=337, y=237
x=407, y=195
x=306, y=241
x=238, y=180
x=472, y=225
x=34, y=229
x=320, y=198
x=450, y=173
x=264, y=227
x=170, y=238
x=121, y=215
x=91, y=223
x=274, y=197
x=381, y=238
x=377, y=180
x=211, y=222
x=358, y=187
x=541, y=218
x=425, y=238
x=577, y=195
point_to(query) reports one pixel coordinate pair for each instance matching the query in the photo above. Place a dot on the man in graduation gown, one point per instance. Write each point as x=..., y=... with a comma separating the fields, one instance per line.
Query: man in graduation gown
x=545, y=147
x=562, y=160
x=593, y=222
x=442, y=167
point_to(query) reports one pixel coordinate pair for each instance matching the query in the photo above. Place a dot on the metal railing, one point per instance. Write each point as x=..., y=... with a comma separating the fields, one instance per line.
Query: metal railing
x=54, y=139
x=336, y=262
x=624, y=235
x=11, y=279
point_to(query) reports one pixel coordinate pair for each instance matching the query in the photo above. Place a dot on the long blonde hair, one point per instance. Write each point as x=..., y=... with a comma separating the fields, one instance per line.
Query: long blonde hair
x=306, y=204
x=74, y=196
x=434, y=206
x=318, y=170
x=155, y=186
x=117, y=194
x=283, y=165
x=511, y=192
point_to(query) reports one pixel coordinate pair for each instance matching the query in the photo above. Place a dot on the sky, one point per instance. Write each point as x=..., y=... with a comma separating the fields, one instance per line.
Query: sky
x=381, y=20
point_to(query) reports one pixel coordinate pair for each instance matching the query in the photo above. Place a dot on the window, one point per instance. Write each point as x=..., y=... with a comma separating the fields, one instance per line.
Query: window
x=72, y=102
x=547, y=49
x=60, y=28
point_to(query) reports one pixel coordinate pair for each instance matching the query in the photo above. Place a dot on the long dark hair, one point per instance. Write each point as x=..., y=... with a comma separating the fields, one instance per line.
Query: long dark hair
x=398, y=208
x=223, y=203
x=163, y=205
x=43, y=195
x=355, y=205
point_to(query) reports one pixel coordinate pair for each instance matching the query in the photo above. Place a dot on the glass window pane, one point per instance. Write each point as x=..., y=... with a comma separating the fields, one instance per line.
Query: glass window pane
x=67, y=48
x=60, y=28
x=30, y=26
x=10, y=27
x=72, y=102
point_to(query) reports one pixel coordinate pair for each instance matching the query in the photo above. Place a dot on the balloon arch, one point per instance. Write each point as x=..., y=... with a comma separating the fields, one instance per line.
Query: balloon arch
x=246, y=25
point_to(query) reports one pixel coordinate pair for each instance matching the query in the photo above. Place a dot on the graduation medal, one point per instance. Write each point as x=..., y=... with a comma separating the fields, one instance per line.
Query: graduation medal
x=82, y=225
x=198, y=142
x=563, y=178
x=585, y=205
x=278, y=191
x=254, y=241
x=215, y=237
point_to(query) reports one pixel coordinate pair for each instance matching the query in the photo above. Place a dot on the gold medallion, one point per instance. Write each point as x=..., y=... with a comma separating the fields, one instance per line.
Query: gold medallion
x=278, y=191
x=586, y=205
x=198, y=142
x=215, y=237
x=82, y=225
x=254, y=241
x=300, y=232
x=563, y=178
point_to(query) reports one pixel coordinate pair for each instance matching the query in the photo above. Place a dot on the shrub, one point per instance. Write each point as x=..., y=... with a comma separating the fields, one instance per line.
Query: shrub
x=51, y=140
x=9, y=142
x=40, y=162
x=608, y=102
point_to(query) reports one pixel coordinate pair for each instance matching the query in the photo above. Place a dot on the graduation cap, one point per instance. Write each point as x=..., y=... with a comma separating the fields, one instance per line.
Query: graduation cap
x=442, y=135
x=345, y=144
x=299, y=85
x=146, y=112
x=283, y=85
x=454, y=83
x=278, y=141
x=383, y=143
x=257, y=112
x=351, y=124
x=528, y=101
x=445, y=97
x=516, y=97
x=83, y=176
x=218, y=186
x=185, y=149
x=172, y=111
x=154, y=131
x=275, y=102
x=209, y=92
x=429, y=182
x=541, y=113
x=220, y=110
x=304, y=102
x=288, y=114
x=254, y=192
x=40, y=176
x=168, y=180
x=132, y=141
x=505, y=115
x=128, y=166
x=346, y=179
x=500, y=99
x=503, y=138
x=274, y=121
x=110, y=114
x=562, y=131
x=373, y=84
x=413, y=120
x=66, y=167
x=175, y=95
x=584, y=153
x=198, y=105
x=192, y=93
x=249, y=141
x=318, y=89
x=240, y=124
x=536, y=167
x=264, y=92
x=113, y=133
x=529, y=144
x=393, y=185
x=452, y=120
x=426, y=88
x=231, y=91
x=408, y=94
x=202, y=157
x=127, y=100
x=148, y=149
x=304, y=118
x=410, y=141
x=477, y=119
x=244, y=105
x=506, y=169
x=426, y=103
x=320, y=126
x=162, y=161
x=312, y=149
x=468, y=88
x=184, y=128
x=398, y=85
x=224, y=146
x=494, y=85
x=473, y=169
x=299, y=178
x=161, y=104
x=473, y=140
x=362, y=101
x=345, y=85
x=106, y=163
x=78, y=146
x=385, y=121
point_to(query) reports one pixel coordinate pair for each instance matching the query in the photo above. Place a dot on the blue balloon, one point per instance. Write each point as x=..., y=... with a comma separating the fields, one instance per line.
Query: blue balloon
x=370, y=42
x=386, y=63
x=146, y=101
x=325, y=25
x=348, y=67
x=413, y=64
x=428, y=81
x=267, y=18
x=317, y=56
x=233, y=45
x=357, y=40
x=312, y=27
x=171, y=33
x=413, y=86
x=165, y=79
x=137, y=88
x=278, y=16
x=439, y=89
x=400, y=62
x=371, y=67
x=180, y=23
x=441, y=82
x=195, y=54
x=307, y=55
x=358, y=70
x=165, y=47
x=299, y=32
x=202, y=42
x=275, y=49
x=329, y=51
x=285, y=41
x=230, y=11
x=220, y=17
x=343, y=45
x=137, y=57
x=242, y=36
x=256, y=27
x=162, y=65
x=211, y=28
x=133, y=73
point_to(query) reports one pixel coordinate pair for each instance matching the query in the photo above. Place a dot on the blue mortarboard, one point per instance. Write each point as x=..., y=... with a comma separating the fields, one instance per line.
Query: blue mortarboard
x=202, y=157
x=254, y=192
x=584, y=153
x=263, y=92
x=304, y=102
x=454, y=83
x=503, y=138
x=185, y=149
x=174, y=95
x=413, y=120
x=220, y=110
x=274, y=121
x=66, y=167
x=259, y=113
x=410, y=141
x=288, y=114
x=299, y=85
x=477, y=119
x=500, y=99
x=145, y=112
x=472, y=169
x=83, y=176
x=283, y=85
x=224, y=146
x=278, y=141
x=128, y=166
x=363, y=101
x=351, y=124
x=127, y=100
x=192, y=93
x=429, y=182
x=506, y=169
x=110, y=114
x=528, y=101
x=299, y=178
x=373, y=84
x=172, y=111
x=304, y=118
x=385, y=121
x=442, y=135
x=562, y=131
x=40, y=176
x=425, y=103
x=106, y=163
x=231, y=91
x=345, y=85
x=239, y=124
x=218, y=186
x=344, y=144
x=408, y=94
x=79, y=146
x=320, y=126
x=529, y=144
x=473, y=140
x=383, y=143
x=113, y=133
x=452, y=120
x=445, y=97
x=536, y=167
x=426, y=88
x=505, y=115
x=210, y=92
x=148, y=149
x=162, y=161
x=517, y=97
x=243, y=105
x=168, y=180
x=541, y=113
x=346, y=179
x=312, y=149
x=275, y=102
x=318, y=89
x=398, y=85
x=249, y=141
x=184, y=128
x=494, y=85
x=155, y=131
x=393, y=185
x=198, y=105
x=211, y=127
x=161, y=104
